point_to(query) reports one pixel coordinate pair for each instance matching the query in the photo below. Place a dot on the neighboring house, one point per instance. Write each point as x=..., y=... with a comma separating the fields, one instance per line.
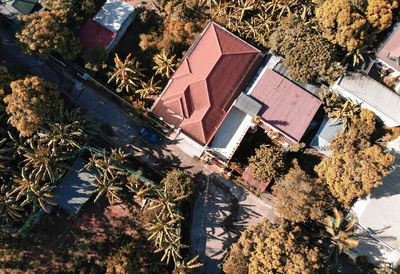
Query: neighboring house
x=12, y=9
x=200, y=94
x=327, y=131
x=372, y=95
x=108, y=26
x=378, y=217
x=286, y=107
x=389, y=52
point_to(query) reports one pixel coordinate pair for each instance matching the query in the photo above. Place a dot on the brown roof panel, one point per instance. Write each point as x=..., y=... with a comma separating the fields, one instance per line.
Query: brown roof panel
x=208, y=79
x=287, y=107
x=391, y=49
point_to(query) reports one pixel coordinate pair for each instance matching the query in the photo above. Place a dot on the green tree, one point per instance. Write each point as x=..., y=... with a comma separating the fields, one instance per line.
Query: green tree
x=379, y=13
x=31, y=103
x=46, y=31
x=273, y=248
x=299, y=197
x=131, y=258
x=267, y=163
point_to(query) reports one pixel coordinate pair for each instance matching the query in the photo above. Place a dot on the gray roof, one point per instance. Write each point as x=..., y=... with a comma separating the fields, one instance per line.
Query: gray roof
x=24, y=6
x=113, y=14
x=247, y=105
x=374, y=94
x=326, y=132
x=75, y=189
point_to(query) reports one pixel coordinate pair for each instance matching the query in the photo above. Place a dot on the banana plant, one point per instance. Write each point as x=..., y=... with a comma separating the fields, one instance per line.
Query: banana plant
x=339, y=231
x=9, y=210
x=127, y=73
x=183, y=267
x=106, y=185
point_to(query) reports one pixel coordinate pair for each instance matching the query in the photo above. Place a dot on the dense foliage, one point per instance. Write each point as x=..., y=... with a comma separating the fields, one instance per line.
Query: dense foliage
x=309, y=56
x=273, y=248
x=267, y=163
x=356, y=165
x=31, y=102
x=44, y=32
x=299, y=197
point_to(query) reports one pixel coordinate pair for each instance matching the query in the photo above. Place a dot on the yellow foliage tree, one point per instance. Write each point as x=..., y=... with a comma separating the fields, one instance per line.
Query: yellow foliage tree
x=267, y=163
x=379, y=14
x=46, y=31
x=356, y=166
x=31, y=103
x=273, y=248
x=299, y=197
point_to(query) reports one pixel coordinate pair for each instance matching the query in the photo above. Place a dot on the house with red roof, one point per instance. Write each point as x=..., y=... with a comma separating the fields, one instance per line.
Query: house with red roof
x=108, y=26
x=389, y=52
x=221, y=86
x=211, y=76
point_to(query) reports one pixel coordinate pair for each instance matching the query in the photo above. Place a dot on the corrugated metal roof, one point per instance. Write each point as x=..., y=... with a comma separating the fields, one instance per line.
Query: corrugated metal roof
x=373, y=93
x=24, y=6
x=286, y=106
x=75, y=189
x=204, y=86
x=247, y=105
x=93, y=34
x=390, y=48
x=113, y=14
x=326, y=132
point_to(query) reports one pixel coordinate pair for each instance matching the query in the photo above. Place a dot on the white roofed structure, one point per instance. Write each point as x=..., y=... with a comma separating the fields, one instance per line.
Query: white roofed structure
x=113, y=14
x=372, y=95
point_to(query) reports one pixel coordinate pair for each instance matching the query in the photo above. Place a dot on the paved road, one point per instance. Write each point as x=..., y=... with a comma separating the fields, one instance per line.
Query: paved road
x=217, y=220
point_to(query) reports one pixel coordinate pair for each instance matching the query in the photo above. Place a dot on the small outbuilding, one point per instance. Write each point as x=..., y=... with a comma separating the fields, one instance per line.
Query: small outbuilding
x=326, y=132
x=75, y=189
x=108, y=26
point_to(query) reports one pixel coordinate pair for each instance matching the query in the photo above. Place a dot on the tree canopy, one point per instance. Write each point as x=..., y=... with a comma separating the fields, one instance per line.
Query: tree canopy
x=356, y=165
x=177, y=183
x=273, y=248
x=352, y=27
x=308, y=55
x=46, y=31
x=31, y=103
x=299, y=197
x=267, y=163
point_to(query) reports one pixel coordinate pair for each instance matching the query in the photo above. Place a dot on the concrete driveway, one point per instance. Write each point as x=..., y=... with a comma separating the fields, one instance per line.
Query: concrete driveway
x=221, y=212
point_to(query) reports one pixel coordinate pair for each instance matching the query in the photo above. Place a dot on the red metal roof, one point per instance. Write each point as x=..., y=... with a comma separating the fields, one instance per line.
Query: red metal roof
x=287, y=107
x=92, y=34
x=204, y=86
x=391, y=49
x=248, y=177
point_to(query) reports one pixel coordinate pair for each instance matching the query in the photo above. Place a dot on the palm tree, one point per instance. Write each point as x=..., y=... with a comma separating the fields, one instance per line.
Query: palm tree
x=339, y=232
x=149, y=87
x=9, y=210
x=183, y=267
x=68, y=130
x=164, y=64
x=29, y=187
x=243, y=7
x=127, y=73
x=108, y=185
x=45, y=162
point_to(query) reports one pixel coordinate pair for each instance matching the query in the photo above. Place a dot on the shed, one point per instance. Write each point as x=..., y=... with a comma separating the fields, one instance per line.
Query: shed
x=75, y=189
x=94, y=35
x=113, y=15
x=326, y=132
